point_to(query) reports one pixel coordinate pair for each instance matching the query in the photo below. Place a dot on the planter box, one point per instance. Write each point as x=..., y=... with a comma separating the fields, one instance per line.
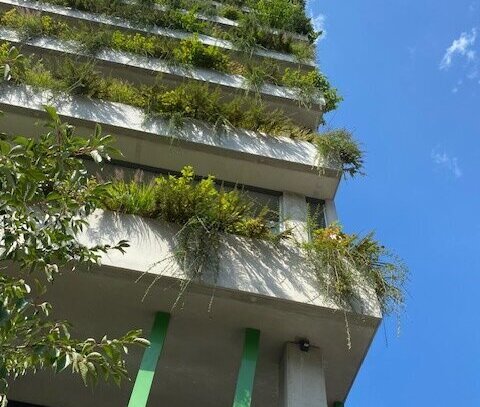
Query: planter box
x=117, y=23
x=144, y=70
x=234, y=155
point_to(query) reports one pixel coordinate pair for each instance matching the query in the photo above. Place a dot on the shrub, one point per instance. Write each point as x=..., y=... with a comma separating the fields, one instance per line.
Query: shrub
x=182, y=199
x=32, y=24
x=230, y=12
x=80, y=78
x=339, y=148
x=12, y=63
x=147, y=45
x=310, y=84
x=283, y=14
x=344, y=263
x=192, y=52
x=196, y=101
x=189, y=100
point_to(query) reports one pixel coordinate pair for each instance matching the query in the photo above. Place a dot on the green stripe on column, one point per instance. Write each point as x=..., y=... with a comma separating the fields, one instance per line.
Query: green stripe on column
x=246, y=374
x=338, y=404
x=143, y=382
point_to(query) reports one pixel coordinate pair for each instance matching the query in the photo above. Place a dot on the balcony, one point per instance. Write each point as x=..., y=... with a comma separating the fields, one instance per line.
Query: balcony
x=236, y=156
x=257, y=285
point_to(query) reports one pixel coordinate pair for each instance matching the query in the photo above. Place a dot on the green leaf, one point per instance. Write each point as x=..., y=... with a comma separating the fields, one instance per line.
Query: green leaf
x=52, y=113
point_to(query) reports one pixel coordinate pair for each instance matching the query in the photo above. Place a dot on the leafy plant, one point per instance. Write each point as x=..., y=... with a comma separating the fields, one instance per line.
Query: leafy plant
x=45, y=201
x=339, y=149
x=255, y=76
x=344, y=264
x=130, y=197
x=203, y=211
x=12, y=63
x=181, y=198
x=229, y=11
x=79, y=78
x=283, y=14
x=32, y=24
x=311, y=85
x=280, y=14
x=189, y=100
x=192, y=52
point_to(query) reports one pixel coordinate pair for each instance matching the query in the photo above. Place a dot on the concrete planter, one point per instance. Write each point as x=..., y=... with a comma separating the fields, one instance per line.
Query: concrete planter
x=144, y=70
x=239, y=156
x=246, y=266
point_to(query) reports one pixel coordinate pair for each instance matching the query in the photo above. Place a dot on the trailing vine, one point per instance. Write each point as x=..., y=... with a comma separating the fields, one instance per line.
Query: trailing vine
x=203, y=212
x=349, y=267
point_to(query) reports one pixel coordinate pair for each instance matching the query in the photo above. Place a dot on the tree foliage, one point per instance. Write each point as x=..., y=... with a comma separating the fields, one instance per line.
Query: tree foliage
x=46, y=195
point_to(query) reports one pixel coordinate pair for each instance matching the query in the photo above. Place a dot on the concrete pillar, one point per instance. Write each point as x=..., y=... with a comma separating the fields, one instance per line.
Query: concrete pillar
x=303, y=378
x=330, y=212
x=294, y=210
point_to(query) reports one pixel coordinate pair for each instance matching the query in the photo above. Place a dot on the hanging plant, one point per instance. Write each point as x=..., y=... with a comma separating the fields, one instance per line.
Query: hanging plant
x=340, y=150
x=347, y=265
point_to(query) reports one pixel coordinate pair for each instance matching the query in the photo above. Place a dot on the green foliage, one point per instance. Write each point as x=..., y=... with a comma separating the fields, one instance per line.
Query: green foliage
x=229, y=11
x=180, y=199
x=147, y=45
x=45, y=201
x=340, y=149
x=196, y=101
x=256, y=75
x=131, y=197
x=192, y=52
x=285, y=15
x=79, y=78
x=189, y=100
x=32, y=24
x=347, y=264
x=12, y=63
x=311, y=85
x=183, y=14
x=203, y=212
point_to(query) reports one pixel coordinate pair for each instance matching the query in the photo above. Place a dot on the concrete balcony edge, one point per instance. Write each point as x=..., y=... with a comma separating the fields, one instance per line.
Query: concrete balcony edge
x=247, y=267
x=233, y=155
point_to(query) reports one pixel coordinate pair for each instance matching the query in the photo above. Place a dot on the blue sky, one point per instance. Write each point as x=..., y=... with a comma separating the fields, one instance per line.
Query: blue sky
x=410, y=74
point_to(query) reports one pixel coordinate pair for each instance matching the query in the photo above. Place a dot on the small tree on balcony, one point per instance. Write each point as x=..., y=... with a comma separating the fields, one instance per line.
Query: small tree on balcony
x=45, y=197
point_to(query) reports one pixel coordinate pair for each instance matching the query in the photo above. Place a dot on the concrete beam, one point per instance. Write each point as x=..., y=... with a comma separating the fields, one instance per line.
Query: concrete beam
x=303, y=378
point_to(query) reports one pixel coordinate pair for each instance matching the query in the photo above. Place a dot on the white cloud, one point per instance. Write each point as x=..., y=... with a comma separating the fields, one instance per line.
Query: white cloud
x=449, y=163
x=461, y=46
x=318, y=20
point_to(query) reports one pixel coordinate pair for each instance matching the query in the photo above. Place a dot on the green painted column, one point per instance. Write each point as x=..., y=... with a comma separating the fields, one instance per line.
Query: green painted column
x=338, y=404
x=246, y=374
x=144, y=380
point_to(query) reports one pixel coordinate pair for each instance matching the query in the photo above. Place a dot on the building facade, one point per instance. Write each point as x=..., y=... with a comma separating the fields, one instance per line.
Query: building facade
x=255, y=328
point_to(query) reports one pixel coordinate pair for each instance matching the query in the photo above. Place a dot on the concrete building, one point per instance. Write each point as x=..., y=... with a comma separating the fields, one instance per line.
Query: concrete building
x=260, y=332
